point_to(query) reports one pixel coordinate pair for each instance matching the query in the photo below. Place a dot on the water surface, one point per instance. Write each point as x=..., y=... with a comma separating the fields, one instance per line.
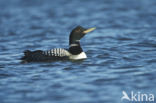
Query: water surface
x=121, y=51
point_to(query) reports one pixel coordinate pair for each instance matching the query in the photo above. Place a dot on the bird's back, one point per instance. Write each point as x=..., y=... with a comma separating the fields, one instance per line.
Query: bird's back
x=38, y=55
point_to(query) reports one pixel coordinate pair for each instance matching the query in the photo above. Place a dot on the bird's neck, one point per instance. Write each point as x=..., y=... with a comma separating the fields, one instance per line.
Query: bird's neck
x=75, y=47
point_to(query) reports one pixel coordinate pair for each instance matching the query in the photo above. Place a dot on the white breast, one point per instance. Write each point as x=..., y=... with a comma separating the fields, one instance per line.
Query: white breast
x=79, y=56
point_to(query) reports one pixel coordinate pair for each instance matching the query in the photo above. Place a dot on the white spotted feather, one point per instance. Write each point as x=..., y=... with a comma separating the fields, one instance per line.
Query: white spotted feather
x=56, y=52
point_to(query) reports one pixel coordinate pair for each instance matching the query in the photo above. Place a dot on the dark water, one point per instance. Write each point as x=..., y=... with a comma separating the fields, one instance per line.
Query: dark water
x=121, y=51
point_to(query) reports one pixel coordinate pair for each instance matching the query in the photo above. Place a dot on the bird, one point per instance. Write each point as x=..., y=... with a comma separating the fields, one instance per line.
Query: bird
x=74, y=52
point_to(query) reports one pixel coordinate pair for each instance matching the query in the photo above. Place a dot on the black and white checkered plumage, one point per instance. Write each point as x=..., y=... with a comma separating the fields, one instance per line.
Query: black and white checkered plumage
x=56, y=52
x=53, y=54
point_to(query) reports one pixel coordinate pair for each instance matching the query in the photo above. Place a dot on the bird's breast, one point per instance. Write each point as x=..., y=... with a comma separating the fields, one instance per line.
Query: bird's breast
x=82, y=55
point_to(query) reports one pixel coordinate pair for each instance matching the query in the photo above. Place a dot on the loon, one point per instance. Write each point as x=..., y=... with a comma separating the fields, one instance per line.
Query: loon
x=74, y=52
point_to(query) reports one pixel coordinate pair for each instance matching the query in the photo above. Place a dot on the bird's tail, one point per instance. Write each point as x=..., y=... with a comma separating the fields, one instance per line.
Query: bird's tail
x=32, y=56
x=27, y=54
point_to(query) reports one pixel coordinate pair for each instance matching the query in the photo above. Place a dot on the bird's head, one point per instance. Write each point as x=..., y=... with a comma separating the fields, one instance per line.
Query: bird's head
x=79, y=32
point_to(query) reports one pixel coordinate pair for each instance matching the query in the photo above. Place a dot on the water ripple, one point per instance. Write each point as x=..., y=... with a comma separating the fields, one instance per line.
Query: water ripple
x=121, y=51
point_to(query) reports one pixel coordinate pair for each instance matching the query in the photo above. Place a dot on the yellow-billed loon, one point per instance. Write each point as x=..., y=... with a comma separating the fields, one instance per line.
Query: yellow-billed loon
x=74, y=52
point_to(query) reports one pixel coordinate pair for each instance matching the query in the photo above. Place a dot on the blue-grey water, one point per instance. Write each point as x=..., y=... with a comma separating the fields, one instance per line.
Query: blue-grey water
x=121, y=51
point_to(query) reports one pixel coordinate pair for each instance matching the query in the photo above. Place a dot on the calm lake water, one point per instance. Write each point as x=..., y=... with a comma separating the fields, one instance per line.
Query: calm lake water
x=121, y=51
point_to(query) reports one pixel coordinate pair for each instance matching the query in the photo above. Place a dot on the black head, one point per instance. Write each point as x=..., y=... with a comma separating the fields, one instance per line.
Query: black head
x=75, y=36
x=77, y=33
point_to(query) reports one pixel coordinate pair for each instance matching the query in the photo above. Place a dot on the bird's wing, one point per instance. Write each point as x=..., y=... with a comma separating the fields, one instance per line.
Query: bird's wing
x=56, y=52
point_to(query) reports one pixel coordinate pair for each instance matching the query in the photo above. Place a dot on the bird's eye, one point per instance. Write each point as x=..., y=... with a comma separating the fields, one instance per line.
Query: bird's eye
x=78, y=30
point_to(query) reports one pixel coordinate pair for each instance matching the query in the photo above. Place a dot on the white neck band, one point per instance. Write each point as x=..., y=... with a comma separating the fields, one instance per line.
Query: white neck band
x=73, y=45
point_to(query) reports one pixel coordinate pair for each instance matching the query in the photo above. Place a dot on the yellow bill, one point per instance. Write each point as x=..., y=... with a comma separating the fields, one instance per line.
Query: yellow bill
x=89, y=30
